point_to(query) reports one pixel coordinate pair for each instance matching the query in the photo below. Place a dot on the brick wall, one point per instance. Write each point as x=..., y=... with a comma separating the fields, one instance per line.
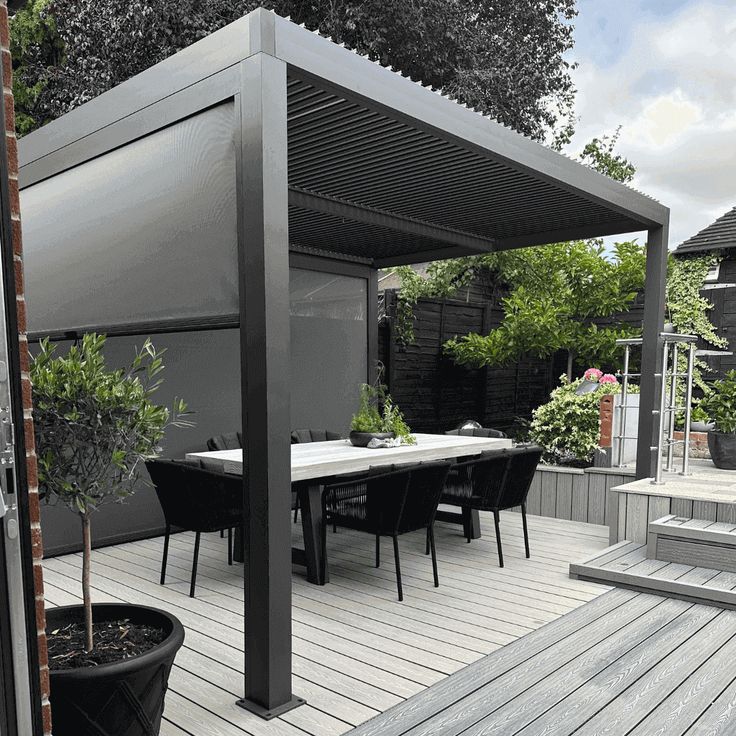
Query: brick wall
x=32, y=470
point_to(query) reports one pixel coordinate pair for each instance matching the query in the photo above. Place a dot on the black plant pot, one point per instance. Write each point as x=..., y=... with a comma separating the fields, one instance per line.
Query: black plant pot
x=361, y=439
x=722, y=448
x=123, y=698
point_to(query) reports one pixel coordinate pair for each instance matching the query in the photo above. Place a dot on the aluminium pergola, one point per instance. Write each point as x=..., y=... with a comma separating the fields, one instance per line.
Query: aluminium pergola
x=339, y=156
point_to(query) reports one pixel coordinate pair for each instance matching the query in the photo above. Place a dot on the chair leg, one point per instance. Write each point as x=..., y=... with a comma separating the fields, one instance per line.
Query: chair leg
x=497, y=522
x=194, y=565
x=378, y=550
x=165, y=558
x=398, y=568
x=426, y=545
x=430, y=536
x=526, y=532
x=222, y=534
x=229, y=546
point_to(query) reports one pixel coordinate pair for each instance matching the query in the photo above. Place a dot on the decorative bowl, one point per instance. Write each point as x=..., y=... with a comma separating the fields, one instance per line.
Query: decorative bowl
x=361, y=439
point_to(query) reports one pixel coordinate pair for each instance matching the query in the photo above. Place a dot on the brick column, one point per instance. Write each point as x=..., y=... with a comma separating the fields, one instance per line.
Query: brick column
x=32, y=469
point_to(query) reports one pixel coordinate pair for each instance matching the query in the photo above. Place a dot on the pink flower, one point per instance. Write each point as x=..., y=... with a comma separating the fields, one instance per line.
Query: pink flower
x=608, y=378
x=592, y=374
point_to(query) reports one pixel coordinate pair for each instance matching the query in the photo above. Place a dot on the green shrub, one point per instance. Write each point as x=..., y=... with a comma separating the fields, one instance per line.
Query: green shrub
x=720, y=403
x=568, y=425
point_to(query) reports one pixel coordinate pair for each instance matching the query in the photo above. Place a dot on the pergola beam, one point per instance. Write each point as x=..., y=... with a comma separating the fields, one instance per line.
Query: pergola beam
x=307, y=200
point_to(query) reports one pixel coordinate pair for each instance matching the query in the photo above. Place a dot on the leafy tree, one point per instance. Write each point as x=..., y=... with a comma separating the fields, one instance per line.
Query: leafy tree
x=94, y=428
x=556, y=294
x=505, y=58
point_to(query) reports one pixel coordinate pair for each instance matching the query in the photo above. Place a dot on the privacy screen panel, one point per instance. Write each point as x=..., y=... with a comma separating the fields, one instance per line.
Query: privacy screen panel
x=144, y=233
x=329, y=343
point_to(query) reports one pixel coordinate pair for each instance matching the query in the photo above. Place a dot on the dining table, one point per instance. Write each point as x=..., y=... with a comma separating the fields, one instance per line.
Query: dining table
x=315, y=464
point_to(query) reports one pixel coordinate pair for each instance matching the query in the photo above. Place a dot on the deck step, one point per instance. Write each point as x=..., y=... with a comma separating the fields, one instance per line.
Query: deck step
x=697, y=542
x=627, y=565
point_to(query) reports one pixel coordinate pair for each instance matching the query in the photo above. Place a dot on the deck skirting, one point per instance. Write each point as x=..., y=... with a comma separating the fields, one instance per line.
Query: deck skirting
x=574, y=494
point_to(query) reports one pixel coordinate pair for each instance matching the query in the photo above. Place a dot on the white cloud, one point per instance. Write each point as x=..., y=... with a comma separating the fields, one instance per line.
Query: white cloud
x=673, y=91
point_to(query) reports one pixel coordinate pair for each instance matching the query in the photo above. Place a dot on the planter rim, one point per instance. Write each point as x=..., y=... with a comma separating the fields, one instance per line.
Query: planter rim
x=113, y=670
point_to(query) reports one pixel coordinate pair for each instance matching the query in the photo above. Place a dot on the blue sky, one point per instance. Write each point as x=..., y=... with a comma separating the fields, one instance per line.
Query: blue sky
x=665, y=70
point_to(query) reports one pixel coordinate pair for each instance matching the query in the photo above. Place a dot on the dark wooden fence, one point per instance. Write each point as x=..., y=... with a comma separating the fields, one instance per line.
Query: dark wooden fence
x=434, y=393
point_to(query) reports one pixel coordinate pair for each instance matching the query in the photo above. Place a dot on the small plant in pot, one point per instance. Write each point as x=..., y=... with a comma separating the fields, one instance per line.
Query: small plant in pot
x=94, y=428
x=378, y=421
x=699, y=420
x=720, y=407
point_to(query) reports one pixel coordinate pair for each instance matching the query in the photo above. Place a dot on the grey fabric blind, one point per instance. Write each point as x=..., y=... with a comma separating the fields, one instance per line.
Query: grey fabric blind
x=144, y=233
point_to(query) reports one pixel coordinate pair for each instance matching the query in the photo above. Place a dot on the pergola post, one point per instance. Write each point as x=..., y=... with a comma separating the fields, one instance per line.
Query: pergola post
x=651, y=359
x=263, y=256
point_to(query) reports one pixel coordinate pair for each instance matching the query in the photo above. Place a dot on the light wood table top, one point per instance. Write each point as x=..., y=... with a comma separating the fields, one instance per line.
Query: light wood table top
x=310, y=460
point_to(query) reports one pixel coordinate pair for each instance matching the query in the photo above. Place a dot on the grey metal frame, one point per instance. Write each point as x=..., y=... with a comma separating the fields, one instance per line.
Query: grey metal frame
x=249, y=61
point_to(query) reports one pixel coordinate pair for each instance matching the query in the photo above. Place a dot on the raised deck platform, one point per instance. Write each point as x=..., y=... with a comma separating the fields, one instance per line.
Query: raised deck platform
x=707, y=493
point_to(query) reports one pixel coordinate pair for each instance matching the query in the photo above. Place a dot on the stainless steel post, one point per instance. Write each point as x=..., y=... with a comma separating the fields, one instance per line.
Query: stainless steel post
x=688, y=407
x=622, y=407
x=662, y=407
x=672, y=410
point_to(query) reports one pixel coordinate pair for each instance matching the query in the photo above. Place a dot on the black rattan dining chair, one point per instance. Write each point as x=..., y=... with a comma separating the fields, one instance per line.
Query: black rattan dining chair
x=478, y=432
x=196, y=499
x=300, y=436
x=389, y=504
x=227, y=441
x=496, y=481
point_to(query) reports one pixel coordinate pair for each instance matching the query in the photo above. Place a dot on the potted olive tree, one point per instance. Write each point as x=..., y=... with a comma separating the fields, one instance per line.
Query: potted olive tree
x=94, y=428
x=720, y=407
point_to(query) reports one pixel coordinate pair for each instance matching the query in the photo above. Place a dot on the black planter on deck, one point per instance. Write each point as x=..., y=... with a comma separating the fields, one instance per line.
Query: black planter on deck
x=722, y=448
x=123, y=698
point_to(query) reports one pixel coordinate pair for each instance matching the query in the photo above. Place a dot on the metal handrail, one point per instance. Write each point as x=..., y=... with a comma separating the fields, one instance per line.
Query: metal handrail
x=668, y=406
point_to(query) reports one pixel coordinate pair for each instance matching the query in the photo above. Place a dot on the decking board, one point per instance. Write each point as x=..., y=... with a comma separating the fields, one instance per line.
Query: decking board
x=357, y=650
x=646, y=665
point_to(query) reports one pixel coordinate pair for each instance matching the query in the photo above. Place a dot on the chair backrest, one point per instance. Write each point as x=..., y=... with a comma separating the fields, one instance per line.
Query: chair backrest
x=194, y=498
x=523, y=463
x=483, y=476
x=298, y=436
x=479, y=432
x=227, y=441
x=426, y=482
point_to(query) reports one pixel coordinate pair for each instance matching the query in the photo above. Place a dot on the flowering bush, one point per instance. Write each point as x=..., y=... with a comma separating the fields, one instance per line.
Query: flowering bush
x=608, y=378
x=593, y=374
x=568, y=425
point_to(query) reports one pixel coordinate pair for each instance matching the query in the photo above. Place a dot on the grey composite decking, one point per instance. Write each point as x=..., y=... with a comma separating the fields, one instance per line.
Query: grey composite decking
x=626, y=663
x=358, y=651
x=626, y=564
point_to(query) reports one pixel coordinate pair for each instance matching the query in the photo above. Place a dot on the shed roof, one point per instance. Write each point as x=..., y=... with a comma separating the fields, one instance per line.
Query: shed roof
x=381, y=168
x=719, y=234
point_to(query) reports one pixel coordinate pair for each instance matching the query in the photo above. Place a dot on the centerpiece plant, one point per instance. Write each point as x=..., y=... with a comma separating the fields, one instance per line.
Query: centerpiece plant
x=94, y=428
x=378, y=414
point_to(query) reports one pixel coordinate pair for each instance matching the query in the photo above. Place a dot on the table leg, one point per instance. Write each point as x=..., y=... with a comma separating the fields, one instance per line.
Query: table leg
x=310, y=506
x=466, y=517
x=238, y=547
x=471, y=522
